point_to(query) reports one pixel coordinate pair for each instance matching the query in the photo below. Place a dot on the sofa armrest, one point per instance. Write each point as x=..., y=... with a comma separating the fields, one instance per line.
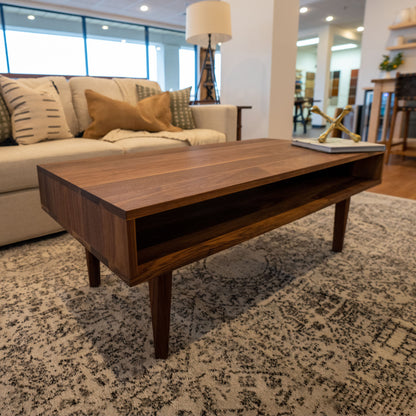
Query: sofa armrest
x=220, y=117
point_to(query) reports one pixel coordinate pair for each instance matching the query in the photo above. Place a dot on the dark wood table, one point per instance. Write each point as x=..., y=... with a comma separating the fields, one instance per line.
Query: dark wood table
x=146, y=214
x=300, y=104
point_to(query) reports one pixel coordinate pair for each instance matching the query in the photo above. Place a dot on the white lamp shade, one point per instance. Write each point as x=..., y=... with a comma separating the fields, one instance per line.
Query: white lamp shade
x=208, y=17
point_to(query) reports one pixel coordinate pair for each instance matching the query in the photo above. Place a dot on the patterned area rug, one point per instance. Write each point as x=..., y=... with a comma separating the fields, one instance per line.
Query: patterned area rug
x=279, y=325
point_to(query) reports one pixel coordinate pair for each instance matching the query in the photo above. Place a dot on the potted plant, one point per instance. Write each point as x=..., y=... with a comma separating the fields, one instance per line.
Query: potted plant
x=388, y=65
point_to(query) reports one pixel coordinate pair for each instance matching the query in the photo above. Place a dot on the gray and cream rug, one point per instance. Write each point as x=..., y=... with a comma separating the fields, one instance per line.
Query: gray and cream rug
x=279, y=325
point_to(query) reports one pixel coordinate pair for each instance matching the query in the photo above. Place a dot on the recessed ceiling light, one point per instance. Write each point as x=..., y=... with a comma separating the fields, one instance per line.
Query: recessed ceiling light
x=344, y=46
x=31, y=17
x=144, y=8
x=307, y=42
x=303, y=10
x=329, y=18
x=360, y=29
x=104, y=27
x=123, y=41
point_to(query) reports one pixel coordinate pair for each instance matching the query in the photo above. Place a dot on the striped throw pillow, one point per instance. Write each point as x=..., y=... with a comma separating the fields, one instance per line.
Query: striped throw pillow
x=179, y=105
x=5, y=122
x=37, y=113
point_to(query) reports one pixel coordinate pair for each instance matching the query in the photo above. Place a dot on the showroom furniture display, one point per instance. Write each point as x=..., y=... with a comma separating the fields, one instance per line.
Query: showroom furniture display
x=21, y=216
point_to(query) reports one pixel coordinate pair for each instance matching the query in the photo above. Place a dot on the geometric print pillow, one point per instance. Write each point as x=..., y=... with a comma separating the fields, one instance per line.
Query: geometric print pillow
x=179, y=105
x=37, y=113
x=5, y=122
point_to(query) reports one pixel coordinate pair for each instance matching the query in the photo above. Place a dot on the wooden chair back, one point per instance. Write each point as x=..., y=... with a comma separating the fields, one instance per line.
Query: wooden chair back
x=404, y=101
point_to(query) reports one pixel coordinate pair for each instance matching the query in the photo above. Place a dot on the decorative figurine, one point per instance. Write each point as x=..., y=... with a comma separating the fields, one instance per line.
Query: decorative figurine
x=335, y=124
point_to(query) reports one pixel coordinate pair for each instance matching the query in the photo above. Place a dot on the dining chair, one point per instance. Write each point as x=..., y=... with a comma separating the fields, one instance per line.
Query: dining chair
x=405, y=102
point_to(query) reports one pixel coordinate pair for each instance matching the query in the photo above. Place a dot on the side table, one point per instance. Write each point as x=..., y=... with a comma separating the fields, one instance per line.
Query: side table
x=240, y=108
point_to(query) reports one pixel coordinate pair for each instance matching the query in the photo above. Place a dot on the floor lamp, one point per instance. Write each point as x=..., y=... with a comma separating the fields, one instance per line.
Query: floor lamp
x=208, y=23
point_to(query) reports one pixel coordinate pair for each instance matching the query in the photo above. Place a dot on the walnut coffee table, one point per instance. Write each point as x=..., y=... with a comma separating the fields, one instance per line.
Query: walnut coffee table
x=146, y=214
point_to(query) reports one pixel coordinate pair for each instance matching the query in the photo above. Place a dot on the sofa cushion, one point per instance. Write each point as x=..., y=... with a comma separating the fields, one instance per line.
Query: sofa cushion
x=151, y=114
x=128, y=87
x=179, y=105
x=18, y=163
x=37, y=114
x=62, y=85
x=5, y=122
x=134, y=145
x=78, y=85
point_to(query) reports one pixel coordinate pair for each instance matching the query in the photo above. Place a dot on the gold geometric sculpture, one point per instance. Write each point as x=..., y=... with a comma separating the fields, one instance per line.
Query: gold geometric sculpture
x=335, y=124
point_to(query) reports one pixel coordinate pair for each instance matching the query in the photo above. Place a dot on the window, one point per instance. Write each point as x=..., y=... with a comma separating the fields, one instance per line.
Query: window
x=3, y=59
x=157, y=64
x=171, y=60
x=52, y=43
x=217, y=62
x=186, y=67
x=41, y=42
x=116, y=49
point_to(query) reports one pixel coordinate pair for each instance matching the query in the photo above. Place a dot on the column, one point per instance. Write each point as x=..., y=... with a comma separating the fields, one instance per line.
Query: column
x=259, y=65
x=322, y=77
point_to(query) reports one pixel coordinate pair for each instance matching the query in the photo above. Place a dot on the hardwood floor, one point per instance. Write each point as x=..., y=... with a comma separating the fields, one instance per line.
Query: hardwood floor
x=399, y=178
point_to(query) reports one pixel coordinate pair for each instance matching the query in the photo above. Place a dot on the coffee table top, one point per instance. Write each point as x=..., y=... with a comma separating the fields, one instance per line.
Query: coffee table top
x=141, y=184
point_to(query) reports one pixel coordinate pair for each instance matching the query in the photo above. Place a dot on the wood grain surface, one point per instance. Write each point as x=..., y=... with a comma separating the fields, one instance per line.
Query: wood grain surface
x=146, y=183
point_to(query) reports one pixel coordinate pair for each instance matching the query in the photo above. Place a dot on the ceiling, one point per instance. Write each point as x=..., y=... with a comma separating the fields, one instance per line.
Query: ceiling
x=168, y=13
x=171, y=13
x=348, y=14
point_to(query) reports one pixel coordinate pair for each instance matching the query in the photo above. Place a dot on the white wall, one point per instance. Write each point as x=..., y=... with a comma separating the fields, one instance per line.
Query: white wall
x=344, y=61
x=259, y=63
x=306, y=59
x=306, y=62
x=379, y=15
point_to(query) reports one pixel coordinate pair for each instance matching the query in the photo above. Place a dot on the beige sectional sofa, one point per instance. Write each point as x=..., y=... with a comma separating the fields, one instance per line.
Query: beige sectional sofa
x=21, y=216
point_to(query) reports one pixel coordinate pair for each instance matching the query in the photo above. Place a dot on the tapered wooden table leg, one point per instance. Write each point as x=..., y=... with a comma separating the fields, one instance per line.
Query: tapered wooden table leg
x=160, y=290
x=93, y=266
x=341, y=216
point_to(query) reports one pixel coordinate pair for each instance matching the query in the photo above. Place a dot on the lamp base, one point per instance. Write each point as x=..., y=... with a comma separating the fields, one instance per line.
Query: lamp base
x=207, y=78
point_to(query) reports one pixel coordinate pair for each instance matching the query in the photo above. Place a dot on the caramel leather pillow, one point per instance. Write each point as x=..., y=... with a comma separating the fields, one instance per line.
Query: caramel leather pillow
x=150, y=114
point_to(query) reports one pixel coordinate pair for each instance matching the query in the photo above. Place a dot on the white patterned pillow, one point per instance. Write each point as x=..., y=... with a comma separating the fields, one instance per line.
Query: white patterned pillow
x=37, y=113
x=179, y=105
